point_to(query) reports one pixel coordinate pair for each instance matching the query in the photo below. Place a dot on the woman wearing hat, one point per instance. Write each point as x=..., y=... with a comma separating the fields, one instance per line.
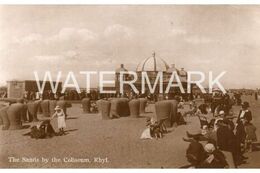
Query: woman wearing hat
x=244, y=113
x=214, y=158
x=60, y=118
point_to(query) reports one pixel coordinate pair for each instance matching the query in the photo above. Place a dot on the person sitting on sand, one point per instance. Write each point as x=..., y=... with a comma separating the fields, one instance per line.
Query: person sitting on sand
x=204, y=134
x=214, y=158
x=147, y=132
x=195, y=152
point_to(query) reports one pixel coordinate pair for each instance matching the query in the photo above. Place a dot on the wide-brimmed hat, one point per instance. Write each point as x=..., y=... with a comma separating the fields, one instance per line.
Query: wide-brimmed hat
x=57, y=108
x=246, y=104
x=209, y=148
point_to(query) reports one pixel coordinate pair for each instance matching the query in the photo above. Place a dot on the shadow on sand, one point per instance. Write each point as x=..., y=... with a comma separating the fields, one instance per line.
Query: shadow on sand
x=72, y=118
x=71, y=130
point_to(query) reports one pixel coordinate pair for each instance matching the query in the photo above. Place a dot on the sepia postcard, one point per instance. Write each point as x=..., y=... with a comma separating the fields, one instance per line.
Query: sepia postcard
x=129, y=86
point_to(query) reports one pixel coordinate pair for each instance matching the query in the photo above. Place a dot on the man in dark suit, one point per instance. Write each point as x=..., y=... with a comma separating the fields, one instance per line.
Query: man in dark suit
x=244, y=115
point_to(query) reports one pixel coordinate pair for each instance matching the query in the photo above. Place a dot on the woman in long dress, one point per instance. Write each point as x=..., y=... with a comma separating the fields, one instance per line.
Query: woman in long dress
x=60, y=118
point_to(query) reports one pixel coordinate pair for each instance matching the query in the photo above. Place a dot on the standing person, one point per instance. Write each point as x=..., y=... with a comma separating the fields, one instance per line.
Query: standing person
x=61, y=119
x=244, y=115
x=227, y=141
x=256, y=95
x=250, y=130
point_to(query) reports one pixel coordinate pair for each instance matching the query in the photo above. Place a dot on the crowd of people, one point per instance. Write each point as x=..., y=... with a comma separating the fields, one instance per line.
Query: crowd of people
x=49, y=95
x=224, y=132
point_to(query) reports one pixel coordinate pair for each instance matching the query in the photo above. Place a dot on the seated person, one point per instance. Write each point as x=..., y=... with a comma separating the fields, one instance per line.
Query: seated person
x=214, y=158
x=195, y=153
x=202, y=135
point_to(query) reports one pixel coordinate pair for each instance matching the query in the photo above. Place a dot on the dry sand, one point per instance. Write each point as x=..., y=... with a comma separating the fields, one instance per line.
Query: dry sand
x=115, y=142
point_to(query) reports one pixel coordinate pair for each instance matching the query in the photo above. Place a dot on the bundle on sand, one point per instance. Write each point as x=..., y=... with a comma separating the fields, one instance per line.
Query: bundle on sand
x=4, y=117
x=64, y=105
x=41, y=131
x=119, y=107
x=52, y=105
x=14, y=113
x=86, y=105
x=105, y=109
x=143, y=103
x=32, y=110
x=45, y=108
x=134, y=106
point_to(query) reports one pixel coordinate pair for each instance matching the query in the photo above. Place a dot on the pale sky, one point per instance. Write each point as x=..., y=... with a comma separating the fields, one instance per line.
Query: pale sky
x=74, y=38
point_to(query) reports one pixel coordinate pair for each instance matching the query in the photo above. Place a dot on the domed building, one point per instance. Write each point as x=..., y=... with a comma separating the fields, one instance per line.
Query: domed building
x=152, y=65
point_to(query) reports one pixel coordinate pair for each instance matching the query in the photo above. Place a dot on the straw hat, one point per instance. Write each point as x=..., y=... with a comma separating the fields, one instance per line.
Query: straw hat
x=57, y=108
x=209, y=148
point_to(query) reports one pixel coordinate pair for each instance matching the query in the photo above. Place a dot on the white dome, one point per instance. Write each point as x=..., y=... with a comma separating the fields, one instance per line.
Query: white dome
x=152, y=64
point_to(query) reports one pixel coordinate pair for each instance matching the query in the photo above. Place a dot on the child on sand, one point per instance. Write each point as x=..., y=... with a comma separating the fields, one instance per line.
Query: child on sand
x=61, y=119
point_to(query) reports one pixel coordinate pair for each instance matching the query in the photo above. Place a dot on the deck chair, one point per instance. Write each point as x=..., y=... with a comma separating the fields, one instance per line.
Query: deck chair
x=162, y=125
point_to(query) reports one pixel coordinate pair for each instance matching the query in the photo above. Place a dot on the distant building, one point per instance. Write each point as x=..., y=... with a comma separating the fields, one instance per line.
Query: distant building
x=17, y=88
